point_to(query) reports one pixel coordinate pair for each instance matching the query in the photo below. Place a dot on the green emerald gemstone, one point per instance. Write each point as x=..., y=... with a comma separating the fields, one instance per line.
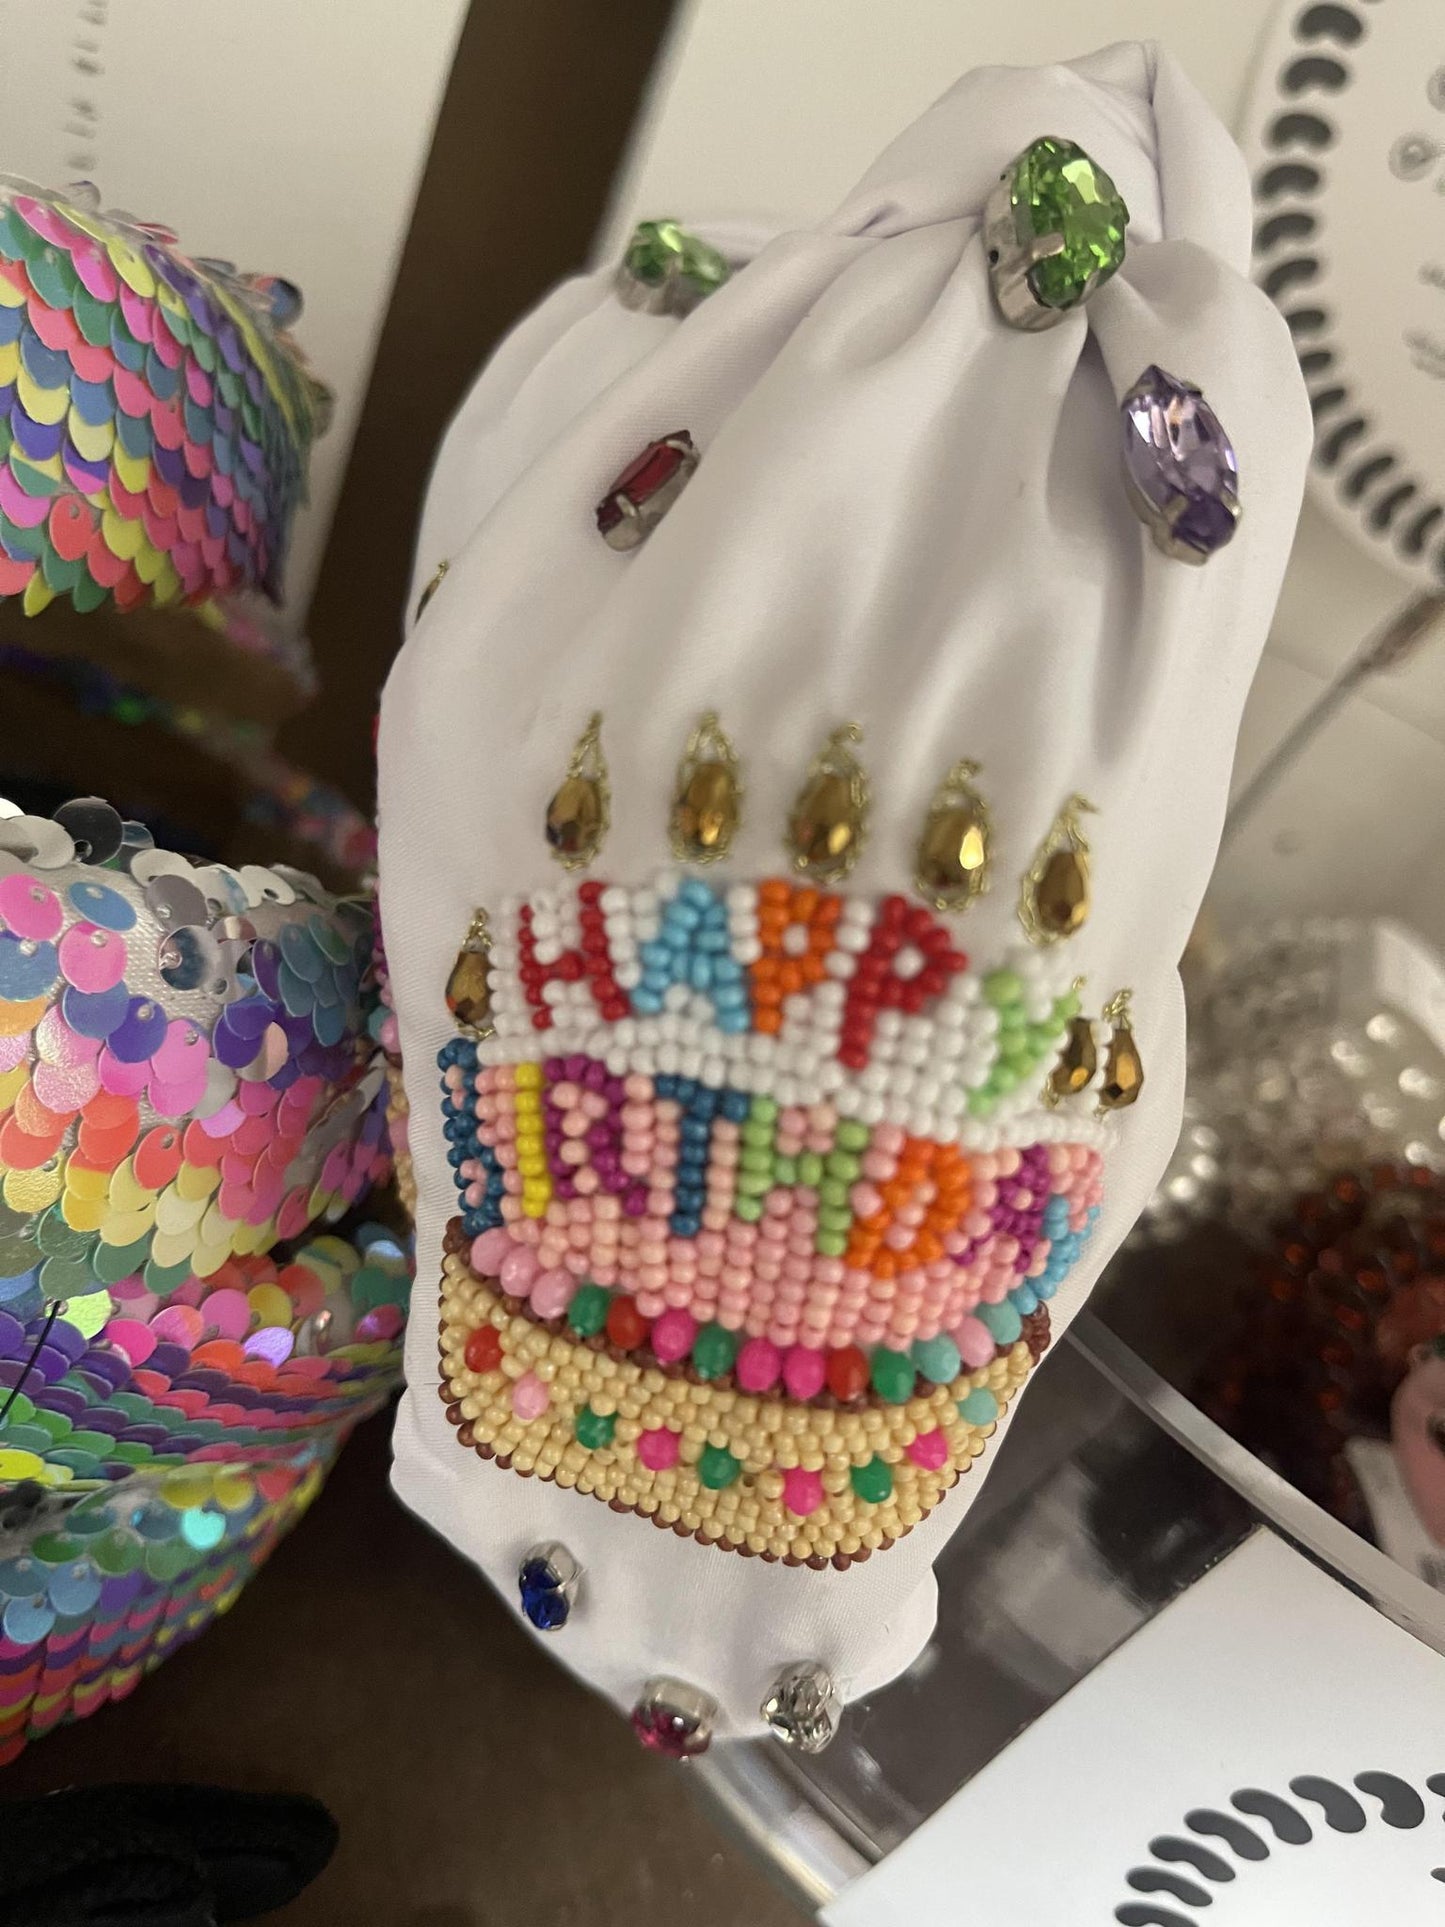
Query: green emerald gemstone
x=1057, y=189
x=662, y=248
x=594, y=1429
x=587, y=1313
x=893, y=1375
x=872, y=1482
x=714, y=1350
x=717, y=1467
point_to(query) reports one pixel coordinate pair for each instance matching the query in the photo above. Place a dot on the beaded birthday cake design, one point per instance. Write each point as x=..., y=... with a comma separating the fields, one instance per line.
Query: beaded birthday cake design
x=765, y=1186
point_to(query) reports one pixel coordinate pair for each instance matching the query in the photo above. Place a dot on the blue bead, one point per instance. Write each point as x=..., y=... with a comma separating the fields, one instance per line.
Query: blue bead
x=937, y=1359
x=735, y=1106
x=1024, y=1299
x=686, y=1090
x=979, y=1407
x=700, y=973
x=696, y=891
x=1002, y=1321
x=646, y=1002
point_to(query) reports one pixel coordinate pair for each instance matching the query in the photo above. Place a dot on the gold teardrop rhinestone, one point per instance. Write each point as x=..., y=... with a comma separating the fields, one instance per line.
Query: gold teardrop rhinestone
x=951, y=868
x=1123, y=1067
x=469, y=987
x=828, y=823
x=431, y=588
x=707, y=800
x=1055, y=900
x=1078, y=1060
x=580, y=810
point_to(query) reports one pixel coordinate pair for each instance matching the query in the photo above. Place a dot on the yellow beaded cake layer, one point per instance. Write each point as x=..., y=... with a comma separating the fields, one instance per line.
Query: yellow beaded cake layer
x=545, y=1386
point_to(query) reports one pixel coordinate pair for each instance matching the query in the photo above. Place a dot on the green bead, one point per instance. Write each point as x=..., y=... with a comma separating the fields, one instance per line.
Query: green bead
x=1066, y=1007
x=1002, y=1321
x=872, y=1482
x=851, y=1135
x=834, y=1192
x=764, y=1110
x=843, y=1166
x=785, y=1170
x=754, y=1184
x=893, y=1375
x=756, y=1157
x=831, y=1244
x=1057, y=189
x=713, y=1351
x=748, y=1209
x=981, y=1102
x=717, y=1467
x=810, y=1169
x=980, y=1407
x=835, y=1217
x=594, y=1429
x=937, y=1359
x=1003, y=1077
x=587, y=1313
x=1001, y=987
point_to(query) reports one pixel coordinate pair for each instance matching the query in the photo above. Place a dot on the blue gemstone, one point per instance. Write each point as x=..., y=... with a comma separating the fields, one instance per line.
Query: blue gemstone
x=543, y=1600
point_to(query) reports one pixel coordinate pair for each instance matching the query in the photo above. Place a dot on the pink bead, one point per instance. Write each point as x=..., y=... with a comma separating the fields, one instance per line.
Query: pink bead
x=674, y=1331
x=977, y=1224
x=878, y=1166
x=586, y=1179
x=889, y=1137
x=519, y=1268
x=489, y=1251
x=638, y=1088
x=553, y=1292
x=658, y=1449
x=1007, y=1163
x=866, y=1201
x=802, y=1491
x=530, y=1397
x=930, y=1450
x=758, y=1366
x=804, y=1372
x=974, y=1341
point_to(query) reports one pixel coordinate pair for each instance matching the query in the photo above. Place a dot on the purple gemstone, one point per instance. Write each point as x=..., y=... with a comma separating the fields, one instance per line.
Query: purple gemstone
x=1181, y=465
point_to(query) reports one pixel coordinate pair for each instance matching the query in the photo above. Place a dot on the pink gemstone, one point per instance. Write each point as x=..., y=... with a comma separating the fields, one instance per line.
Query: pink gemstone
x=672, y=1336
x=929, y=1450
x=530, y=1397
x=974, y=1341
x=758, y=1366
x=804, y=1371
x=658, y=1449
x=553, y=1292
x=802, y=1491
x=489, y=1250
x=519, y=1270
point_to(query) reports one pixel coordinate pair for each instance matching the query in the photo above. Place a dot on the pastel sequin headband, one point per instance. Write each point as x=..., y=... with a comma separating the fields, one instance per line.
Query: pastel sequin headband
x=765, y=1187
x=155, y=417
x=186, y=1066
x=189, y=1074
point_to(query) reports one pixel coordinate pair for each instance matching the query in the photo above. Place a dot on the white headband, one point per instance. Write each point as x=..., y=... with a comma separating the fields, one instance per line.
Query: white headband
x=909, y=516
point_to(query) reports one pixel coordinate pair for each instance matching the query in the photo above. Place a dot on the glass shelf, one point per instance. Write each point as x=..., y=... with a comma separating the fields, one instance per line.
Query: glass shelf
x=1111, y=1495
